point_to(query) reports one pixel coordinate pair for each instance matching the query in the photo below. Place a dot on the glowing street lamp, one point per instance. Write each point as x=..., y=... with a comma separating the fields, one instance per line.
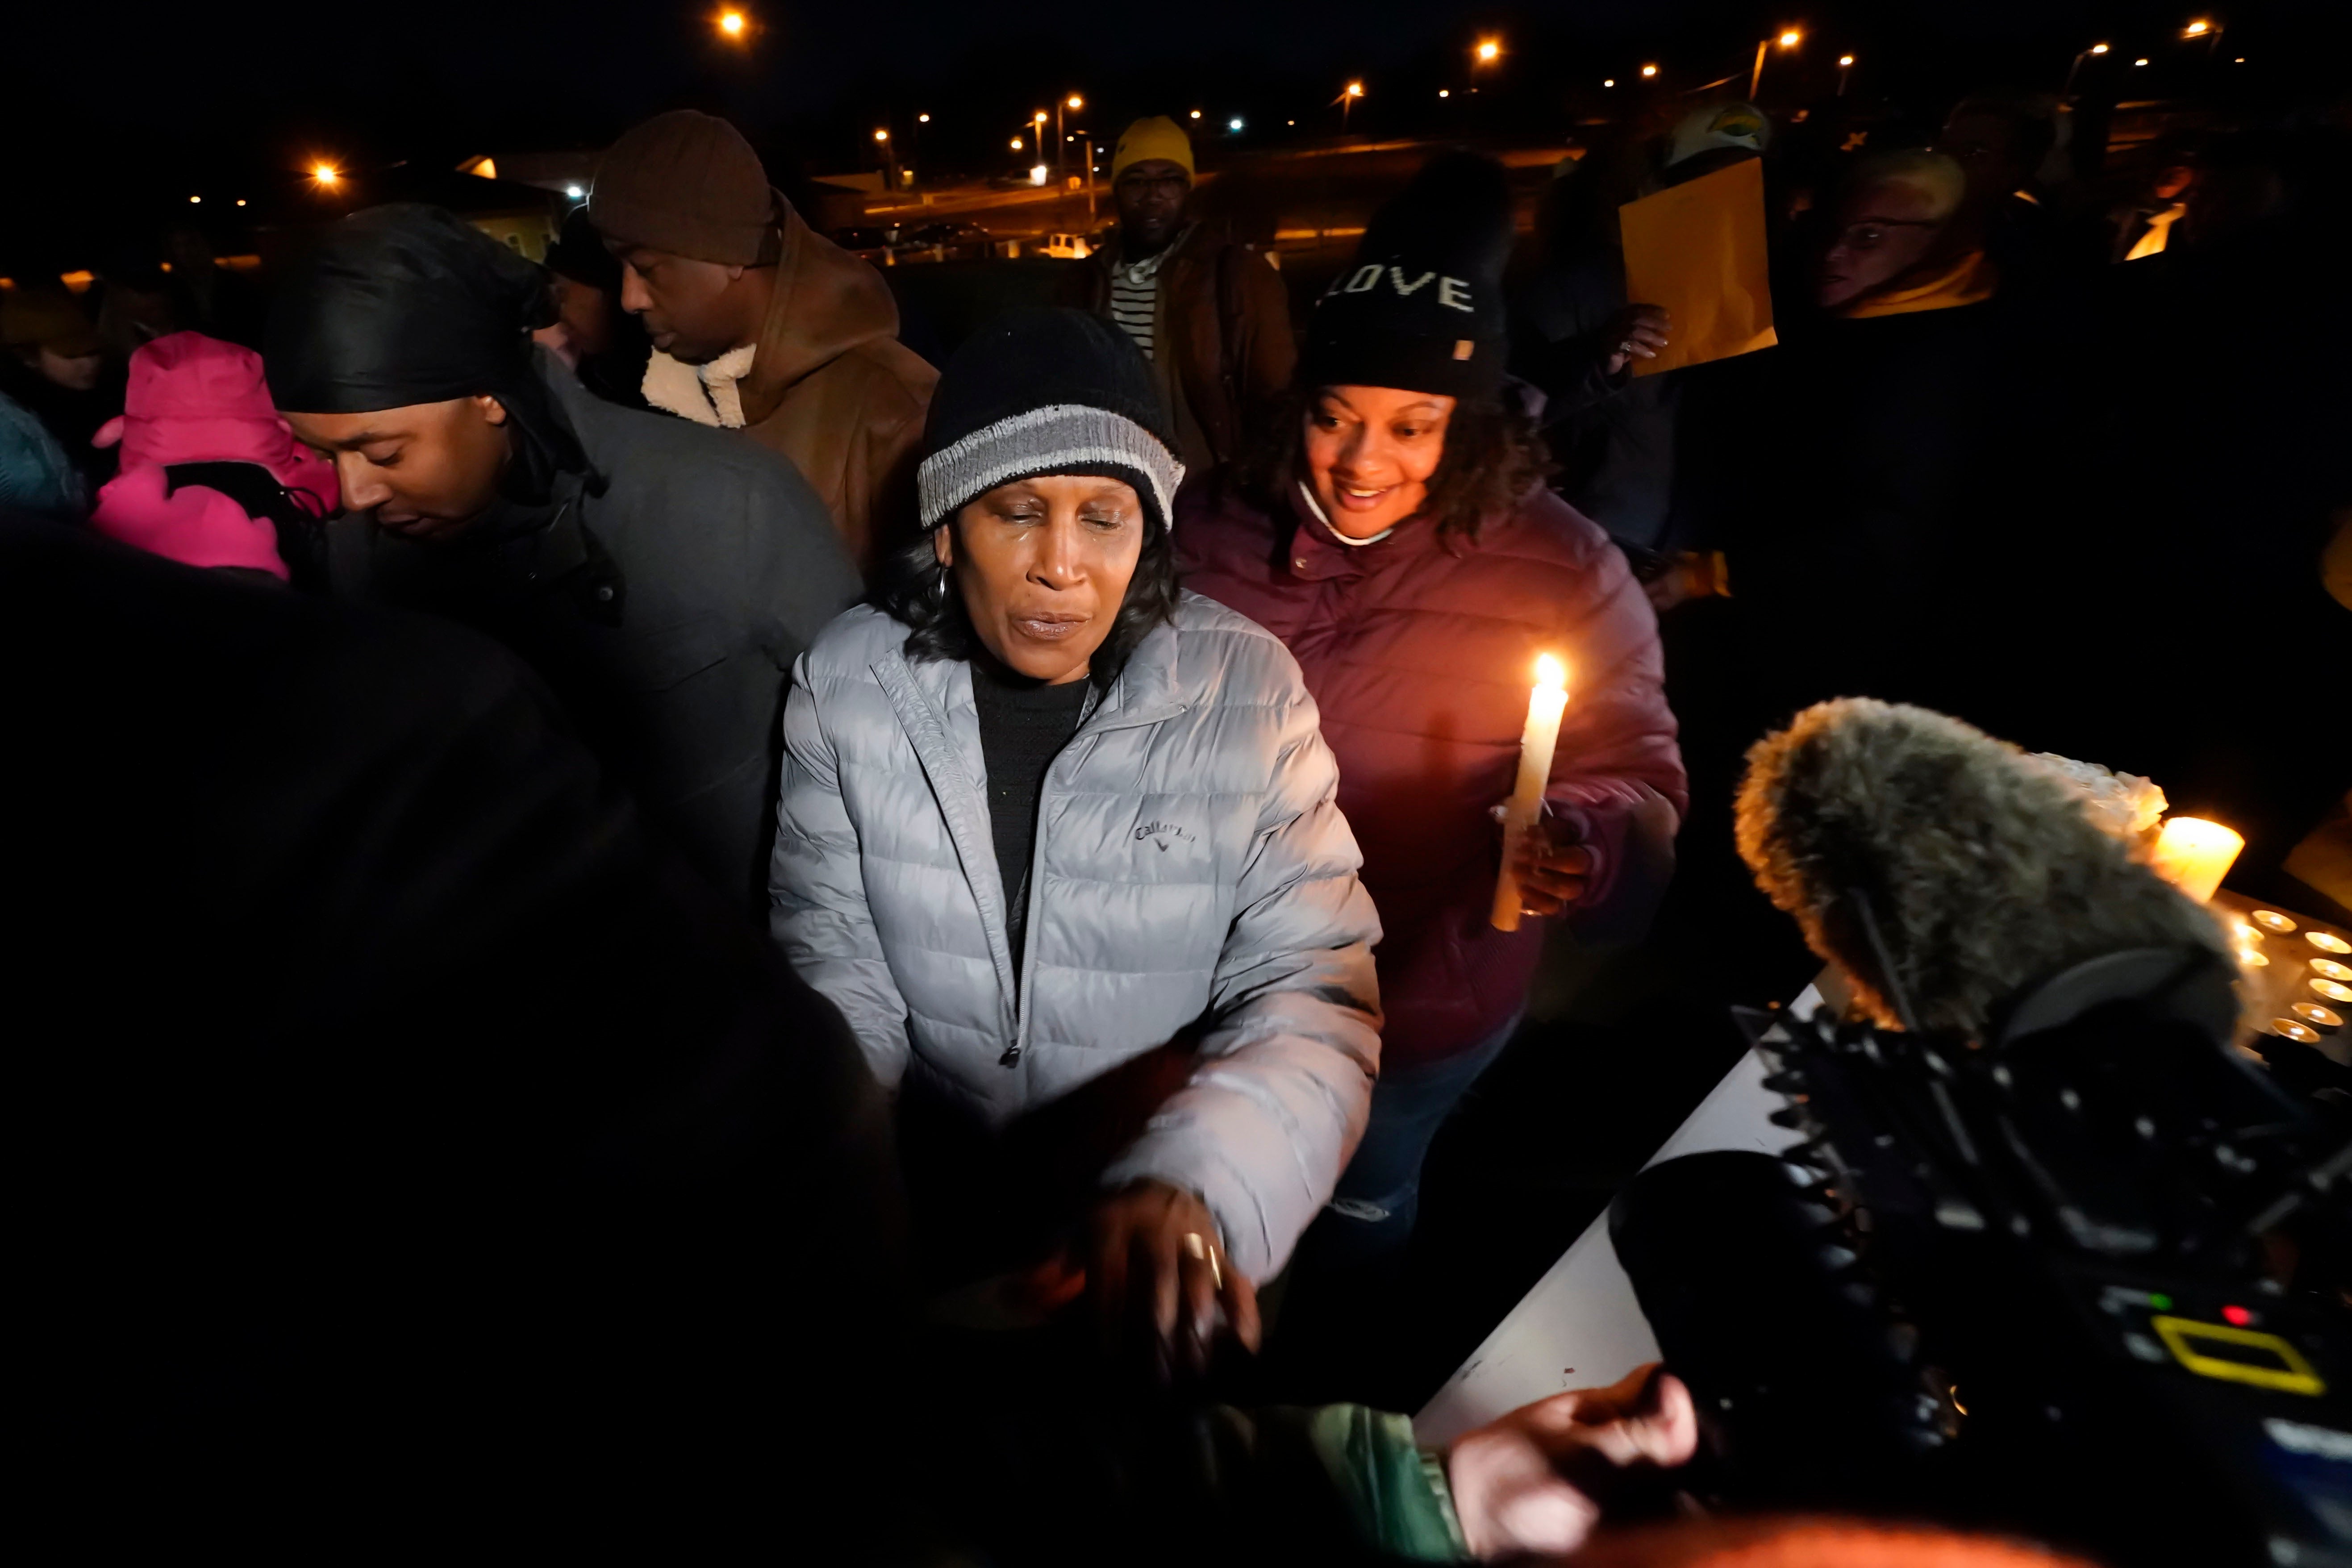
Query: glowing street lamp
x=1489, y=50
x=1649, y=71
x=1609, y=81
x=882, y=136
x=1347, y=100
x=732, y=24
x=1061, y=138
x=325, y=174
x=923, y=120
x=1789, y=39
x=2079, y=58
x=193, y=200
x=1845, y=68
x=2198, y=29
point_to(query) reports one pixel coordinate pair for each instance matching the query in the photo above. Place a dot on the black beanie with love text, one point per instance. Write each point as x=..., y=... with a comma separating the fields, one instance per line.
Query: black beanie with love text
x=1421, y=308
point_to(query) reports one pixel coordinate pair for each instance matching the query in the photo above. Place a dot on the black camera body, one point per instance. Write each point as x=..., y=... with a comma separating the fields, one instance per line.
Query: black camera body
x=2082, y=1281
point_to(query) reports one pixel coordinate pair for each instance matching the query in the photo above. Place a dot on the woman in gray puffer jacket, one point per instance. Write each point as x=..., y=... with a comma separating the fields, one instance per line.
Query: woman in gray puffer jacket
x=1044, y=814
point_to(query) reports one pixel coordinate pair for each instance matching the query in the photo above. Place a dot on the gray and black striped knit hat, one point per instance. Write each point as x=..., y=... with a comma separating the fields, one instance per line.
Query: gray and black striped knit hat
x=1047, y=392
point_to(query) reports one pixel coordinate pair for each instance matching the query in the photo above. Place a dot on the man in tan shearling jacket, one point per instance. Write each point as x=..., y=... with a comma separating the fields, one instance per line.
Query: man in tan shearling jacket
x=760, y=324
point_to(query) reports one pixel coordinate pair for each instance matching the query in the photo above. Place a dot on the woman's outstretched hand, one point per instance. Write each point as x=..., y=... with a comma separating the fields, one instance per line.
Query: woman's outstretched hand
x=1535, y=1482
x=1160, y=1278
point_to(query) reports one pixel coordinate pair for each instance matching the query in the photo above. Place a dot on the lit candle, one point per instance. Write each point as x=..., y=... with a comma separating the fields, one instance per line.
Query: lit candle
x=2333, y=990
x=2292, y=1030
x=2273, y=921
x=2253, y=960
x=2325, y=1020
x=2327, y=942
x=2194, y=855
x=1546, y=703
x=2332, y=970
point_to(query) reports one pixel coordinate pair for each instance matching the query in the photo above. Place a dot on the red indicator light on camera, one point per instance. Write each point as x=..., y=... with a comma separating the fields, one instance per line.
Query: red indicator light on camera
x=2236, y=1317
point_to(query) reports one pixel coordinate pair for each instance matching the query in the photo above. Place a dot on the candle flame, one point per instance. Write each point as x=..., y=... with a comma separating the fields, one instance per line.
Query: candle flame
x=1551, y=673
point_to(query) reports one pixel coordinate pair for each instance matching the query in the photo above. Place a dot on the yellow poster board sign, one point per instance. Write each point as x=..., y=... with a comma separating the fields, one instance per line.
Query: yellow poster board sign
x=1699, y=250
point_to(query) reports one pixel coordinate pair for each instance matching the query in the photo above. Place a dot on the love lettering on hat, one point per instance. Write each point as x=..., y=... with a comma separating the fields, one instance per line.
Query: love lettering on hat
x=1454, y=293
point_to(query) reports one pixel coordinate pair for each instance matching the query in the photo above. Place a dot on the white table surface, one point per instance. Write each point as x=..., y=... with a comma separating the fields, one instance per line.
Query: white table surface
x=1579, y=1326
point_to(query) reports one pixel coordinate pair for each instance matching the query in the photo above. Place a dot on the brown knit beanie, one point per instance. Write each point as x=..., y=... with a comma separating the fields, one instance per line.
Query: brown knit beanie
x=688, y=184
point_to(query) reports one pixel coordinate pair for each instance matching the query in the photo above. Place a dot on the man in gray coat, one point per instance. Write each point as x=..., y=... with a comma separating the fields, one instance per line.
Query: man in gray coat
x=659, y=576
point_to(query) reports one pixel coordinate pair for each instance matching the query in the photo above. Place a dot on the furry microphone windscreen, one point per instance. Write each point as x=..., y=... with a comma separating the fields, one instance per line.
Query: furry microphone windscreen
x=1983, y=869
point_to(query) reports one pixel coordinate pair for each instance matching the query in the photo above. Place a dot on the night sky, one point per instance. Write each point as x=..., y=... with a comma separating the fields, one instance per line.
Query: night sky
x=112, y=114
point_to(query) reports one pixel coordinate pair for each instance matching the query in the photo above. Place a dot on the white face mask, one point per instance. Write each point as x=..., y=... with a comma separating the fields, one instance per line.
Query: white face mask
x=1307, y=495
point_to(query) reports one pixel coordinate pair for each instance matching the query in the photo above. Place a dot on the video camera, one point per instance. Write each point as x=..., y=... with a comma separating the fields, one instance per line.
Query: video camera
x=2082, y=1278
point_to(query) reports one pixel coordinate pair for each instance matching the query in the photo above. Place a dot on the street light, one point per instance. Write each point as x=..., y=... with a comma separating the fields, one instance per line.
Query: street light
x=324, y=173
x=2093, y=49
x=1061, y=138
x=923, y=120
x=573, y=192
x=1196, y=114
x=1489, y=51
x=881, y=136
x=1649, y=71
x=1234, y=124
x=1347, y=100
x=2198, y=29
x=1609, y=81
x=1445, y=93
x=1845, y=65
x=2140, y=62
x=1789, y=39
x=732, y=24
x=193, y=200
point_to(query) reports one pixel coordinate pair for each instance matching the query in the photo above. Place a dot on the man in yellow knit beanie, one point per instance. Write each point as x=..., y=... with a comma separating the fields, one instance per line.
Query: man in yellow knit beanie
x=1208, y=310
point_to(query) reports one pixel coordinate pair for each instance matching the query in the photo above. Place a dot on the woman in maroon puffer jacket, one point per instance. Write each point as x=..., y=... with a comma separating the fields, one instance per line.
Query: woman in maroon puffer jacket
x=1400, y=543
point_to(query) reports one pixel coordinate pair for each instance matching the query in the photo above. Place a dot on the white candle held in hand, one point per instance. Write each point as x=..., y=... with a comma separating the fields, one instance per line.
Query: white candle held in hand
x=1546, y=703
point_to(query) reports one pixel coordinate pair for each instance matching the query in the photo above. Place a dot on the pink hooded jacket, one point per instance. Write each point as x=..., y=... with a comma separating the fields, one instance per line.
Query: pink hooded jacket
x=194, y=399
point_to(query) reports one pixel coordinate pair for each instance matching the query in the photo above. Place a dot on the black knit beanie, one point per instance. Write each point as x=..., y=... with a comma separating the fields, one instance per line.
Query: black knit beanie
x=1422, y=310
x=1045, y=392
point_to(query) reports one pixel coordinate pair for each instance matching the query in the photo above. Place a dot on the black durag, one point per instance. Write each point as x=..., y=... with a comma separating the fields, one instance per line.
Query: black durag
x=406, y=304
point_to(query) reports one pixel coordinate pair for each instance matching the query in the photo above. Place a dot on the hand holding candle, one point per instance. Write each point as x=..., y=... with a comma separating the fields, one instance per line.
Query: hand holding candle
x=1546, y=703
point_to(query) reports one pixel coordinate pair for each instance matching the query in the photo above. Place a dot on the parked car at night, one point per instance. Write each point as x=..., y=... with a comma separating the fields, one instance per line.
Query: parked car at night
x=867, y=243
x=944, y=242
x=1067, y=246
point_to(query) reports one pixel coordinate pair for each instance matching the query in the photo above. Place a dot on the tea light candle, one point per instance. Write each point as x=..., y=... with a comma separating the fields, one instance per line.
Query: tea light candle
x=2323, y=1019
x=2292, y=1030
x=2327, y=942
x=2333, y=990
x=1546, y=703
x=2194, y=855
x=2252, y=960
x=2270, y=921
x=2329, y=968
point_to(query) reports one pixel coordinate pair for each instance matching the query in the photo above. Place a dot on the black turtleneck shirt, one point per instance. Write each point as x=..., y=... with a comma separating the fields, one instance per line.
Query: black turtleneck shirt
x=1023, y=727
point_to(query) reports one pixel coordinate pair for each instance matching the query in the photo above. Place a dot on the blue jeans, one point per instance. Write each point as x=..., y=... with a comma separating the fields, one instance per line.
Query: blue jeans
x=1336, y=1310
x=1371, y=1215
